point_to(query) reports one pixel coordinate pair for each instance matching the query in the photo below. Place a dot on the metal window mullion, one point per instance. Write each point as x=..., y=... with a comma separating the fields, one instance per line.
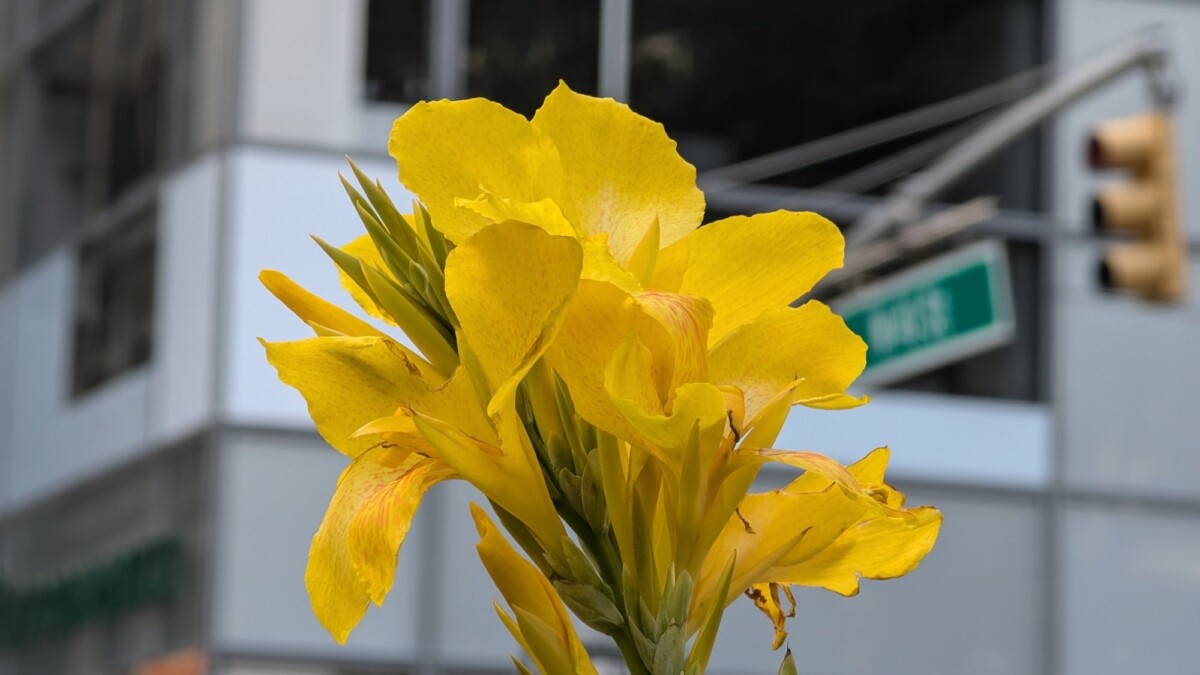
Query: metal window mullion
x=448, y=24
x=616, y=24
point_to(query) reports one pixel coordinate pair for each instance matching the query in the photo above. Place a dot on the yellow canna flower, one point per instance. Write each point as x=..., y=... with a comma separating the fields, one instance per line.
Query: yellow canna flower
x=590, y=359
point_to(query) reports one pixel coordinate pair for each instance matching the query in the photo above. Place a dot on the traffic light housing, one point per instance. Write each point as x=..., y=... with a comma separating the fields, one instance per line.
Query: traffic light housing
x=1153, y=264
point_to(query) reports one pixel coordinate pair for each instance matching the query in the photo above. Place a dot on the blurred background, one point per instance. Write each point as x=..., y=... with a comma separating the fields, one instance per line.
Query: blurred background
x=159, y=486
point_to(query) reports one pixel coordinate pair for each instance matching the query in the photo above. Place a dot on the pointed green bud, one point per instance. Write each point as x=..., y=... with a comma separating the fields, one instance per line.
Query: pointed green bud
x=788, y=667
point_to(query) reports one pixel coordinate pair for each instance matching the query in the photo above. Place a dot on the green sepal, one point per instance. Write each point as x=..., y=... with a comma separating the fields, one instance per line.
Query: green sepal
x=645, y=646
x=703, y=646
x=569, y=489
x=593, y=607
x=591, y=495
x=676, y=601
x=668, y=651
x=394, y=257
x=399, y=228
x=424, y=329
x=788, y=667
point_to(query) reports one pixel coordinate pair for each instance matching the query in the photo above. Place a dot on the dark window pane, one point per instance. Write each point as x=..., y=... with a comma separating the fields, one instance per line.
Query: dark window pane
x=398, y=50
x=90, y=120
x=520, y=49
x=734, y=80
x=114, y=303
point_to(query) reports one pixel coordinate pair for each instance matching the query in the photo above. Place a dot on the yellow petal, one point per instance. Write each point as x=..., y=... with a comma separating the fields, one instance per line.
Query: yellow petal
x=544, y=213
x=353, y=555
x=364, y=249
x=509, y=285
x=599, y=265
x=599, y=319
x=348, y=382
x=677, y=336
x=885, y=545
x=527, y=591
x=509, y=475
x=887, y=541
x=769, y=527
x=746, y=265
x=808, y=349
x=622, y=171
x=313, y=309
x=448, y=150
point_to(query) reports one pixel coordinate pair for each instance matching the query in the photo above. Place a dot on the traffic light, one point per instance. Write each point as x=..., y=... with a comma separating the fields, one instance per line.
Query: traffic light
x=1154, y=264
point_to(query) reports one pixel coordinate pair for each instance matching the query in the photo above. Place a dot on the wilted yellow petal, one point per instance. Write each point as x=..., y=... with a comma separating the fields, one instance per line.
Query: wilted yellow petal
x=766, y=599
x=509, y=285
x=746, y=265
x=622, y=171
x=313, y=309
x=808, y=349
x=353, y=555
x=449, y=150
x=527, y=590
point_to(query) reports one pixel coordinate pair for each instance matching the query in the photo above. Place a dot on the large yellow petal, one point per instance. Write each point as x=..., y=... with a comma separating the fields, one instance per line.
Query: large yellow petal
x=888, y=541
x=352, y=560
x=348, y=382
x=808, y=348
x=746, y=265
x=313, y=309
x=768, y=527
x=509, y=285
x=448, y=150
x=622, y=171
x=527, y=591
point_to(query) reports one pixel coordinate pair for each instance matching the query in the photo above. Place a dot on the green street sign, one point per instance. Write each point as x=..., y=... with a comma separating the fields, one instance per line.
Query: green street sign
x=942, y=311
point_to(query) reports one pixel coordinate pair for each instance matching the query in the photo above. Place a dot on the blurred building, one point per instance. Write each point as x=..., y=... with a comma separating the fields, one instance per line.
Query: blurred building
x=159, y=486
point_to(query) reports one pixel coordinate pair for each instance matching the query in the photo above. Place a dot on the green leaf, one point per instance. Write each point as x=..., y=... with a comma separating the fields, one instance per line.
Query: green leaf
x=676, y=604
x=703, y=646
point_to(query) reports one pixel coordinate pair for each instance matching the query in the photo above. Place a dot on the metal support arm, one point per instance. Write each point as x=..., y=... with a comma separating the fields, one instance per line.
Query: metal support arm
x=1146, y=48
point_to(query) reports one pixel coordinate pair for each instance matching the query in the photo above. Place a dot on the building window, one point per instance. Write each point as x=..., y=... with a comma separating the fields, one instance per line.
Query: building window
x=89, y=119
x=735, y=80
x=397, y=50
x=519, y=49
x=114, y=302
